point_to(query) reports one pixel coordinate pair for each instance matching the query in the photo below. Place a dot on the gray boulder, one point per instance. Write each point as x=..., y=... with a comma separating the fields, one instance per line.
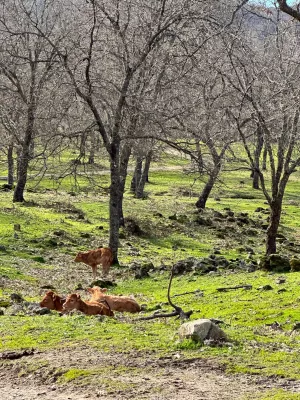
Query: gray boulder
x=200, y=330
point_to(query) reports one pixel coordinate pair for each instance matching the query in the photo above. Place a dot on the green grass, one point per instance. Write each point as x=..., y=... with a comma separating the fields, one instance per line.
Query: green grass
x=55, y=224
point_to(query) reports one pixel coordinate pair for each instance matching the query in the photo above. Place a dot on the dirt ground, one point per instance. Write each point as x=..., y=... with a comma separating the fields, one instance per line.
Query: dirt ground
x=127, y=376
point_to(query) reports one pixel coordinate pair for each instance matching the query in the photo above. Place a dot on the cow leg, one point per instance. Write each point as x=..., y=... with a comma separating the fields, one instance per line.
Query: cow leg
x=94, y=267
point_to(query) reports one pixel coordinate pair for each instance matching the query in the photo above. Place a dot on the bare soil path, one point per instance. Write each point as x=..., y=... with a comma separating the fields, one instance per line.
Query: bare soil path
x=127, y=376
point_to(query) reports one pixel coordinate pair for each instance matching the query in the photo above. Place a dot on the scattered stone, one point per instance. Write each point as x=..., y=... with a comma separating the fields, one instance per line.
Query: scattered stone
x=132, y=227
x=59, y=232
x=48, y=286
x=85, y=235
x=16, y=298
x=51, y=242
x=78, y=287
x=39, y=259
x=103, y=283
x=202, y=221
x=274, y=262
x=265, y=287
x=296, y=326
x=41, y=311
x=295, y=264
x=281, y=290
x=17, y=227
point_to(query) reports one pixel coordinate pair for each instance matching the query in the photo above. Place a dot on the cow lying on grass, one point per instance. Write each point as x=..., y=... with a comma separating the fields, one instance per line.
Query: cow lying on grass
x=116, y=303
x=74, y=301
x=93, y=258
x=52, y=301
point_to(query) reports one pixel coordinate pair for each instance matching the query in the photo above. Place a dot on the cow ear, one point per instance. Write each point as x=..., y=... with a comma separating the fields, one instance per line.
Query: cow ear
x=54, y=297
x=78, y=296
x=103, y=290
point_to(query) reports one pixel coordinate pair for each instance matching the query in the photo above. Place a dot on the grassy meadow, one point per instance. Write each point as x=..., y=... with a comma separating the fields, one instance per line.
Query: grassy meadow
x=63, y=217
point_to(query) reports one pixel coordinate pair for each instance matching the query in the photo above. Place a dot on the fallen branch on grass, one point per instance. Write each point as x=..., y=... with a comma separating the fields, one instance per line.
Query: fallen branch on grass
x=224, y=289
x=197, y=291
x=178, y=311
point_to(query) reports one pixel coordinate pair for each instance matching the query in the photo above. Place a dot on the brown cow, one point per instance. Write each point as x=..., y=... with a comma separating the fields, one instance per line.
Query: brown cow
x=116, y=303
x=52, y=301
x=103, y=256
x=74, y=301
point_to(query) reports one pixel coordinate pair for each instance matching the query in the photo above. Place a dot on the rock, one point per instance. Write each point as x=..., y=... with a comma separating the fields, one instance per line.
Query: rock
x=132, y=227
x=39, y=259
x=217, y=214
x=78, y=287
x=15, y=297
x=183, y=266
x=295, y=264
x=51, y=242
x=48, y=286
x=200, y=330
x=59, y=232
x=265, y=287
x=182, y=219
x=41, y=311
x=142, y=273
x=103, y=283
x=202, y=221
x=275, y=262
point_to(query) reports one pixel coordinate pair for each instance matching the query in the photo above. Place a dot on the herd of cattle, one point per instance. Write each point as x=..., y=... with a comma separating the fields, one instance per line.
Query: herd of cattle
x=100, y=302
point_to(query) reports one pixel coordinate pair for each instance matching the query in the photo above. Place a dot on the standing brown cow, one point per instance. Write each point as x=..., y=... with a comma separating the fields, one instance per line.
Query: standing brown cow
x=103, y=256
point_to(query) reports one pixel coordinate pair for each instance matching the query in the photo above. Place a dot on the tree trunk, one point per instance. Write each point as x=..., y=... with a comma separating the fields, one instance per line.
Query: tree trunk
x=141, y=184
x=200, y=163
x=10, y=166
x=92, y=149
x=136, y=175
x=257, y=153
x=276, y=207
x=125, y=155
x=82, y=145
x=114, y=202
x=264, y=162
x=201, y=202
x=25, y=156
x=22, y=176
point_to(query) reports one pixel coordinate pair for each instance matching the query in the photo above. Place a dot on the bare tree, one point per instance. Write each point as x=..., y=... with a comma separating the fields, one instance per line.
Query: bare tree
x=264, y=73
x=27, y=65
x=103, y=58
